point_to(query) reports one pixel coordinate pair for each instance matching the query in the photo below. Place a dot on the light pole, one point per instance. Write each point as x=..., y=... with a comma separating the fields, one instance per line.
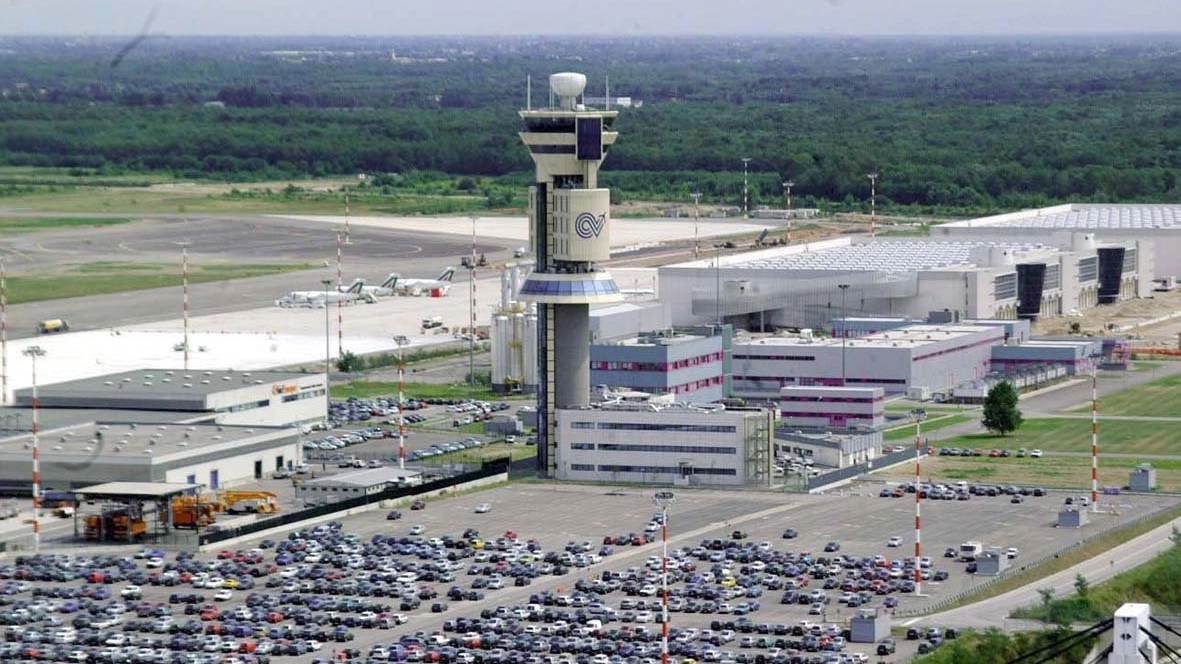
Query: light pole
x=787, y=185
x=327, y=283
x=471, y=338
x=1094, y=440
x=663, y=499
x=873, y=202
x=844, y=330
x=401, y=341
x=696, y=238
x=745, y=189
x=919, y=416
x=34, y=352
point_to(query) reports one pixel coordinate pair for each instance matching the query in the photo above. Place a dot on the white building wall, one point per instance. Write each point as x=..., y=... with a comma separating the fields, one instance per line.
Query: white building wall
x=237, y=469
x=297, y=401
x=661, y=452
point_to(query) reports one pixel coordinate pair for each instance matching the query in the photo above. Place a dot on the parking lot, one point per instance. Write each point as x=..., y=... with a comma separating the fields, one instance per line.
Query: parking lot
x=336, y=586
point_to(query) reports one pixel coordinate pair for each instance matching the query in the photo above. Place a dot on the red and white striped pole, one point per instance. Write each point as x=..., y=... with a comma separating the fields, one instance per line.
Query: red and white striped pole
x=34, y=352
x=401, y=341
x=663, y=499
x=184, y=261
x=339, y=299
x=1094, y=441
x=918, y=525
x=3, y=334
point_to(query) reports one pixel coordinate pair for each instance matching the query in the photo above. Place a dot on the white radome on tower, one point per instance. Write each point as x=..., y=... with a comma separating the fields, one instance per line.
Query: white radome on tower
x=567, y=86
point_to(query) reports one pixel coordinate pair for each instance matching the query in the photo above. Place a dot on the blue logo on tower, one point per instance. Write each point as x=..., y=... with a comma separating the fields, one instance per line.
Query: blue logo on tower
x=588, y=225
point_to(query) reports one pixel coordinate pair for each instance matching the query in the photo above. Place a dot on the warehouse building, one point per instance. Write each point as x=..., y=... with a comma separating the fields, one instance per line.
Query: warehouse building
x=916, y=360
x=343, y=486
x=1077, y=356
x=210, y=454
x=832, y=407
x=693, y=367
x=259, y=398
x=662, y=443
x=1147, y=235
x=808, y=285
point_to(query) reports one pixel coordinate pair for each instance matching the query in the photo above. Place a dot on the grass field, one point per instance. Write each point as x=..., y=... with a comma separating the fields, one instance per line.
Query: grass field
x=367, y=389
x=906, y=432
x=1050, y=472
x=1159, y=398
x=1060, y=434
x=11, y=225
x=101, y=278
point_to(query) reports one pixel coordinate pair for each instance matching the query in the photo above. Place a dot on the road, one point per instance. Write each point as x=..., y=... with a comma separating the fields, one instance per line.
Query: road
x=994, y=612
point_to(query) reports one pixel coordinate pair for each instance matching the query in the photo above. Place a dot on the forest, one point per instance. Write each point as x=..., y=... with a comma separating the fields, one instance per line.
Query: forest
x=955, y=124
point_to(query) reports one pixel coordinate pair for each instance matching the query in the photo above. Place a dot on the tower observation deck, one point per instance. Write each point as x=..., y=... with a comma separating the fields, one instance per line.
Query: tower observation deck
x=569, y=220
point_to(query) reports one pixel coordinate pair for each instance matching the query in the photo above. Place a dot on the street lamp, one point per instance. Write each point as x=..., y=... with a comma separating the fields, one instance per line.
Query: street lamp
x=696, y=239
x=663, y=499
x=844, y=330
x=745, y=190
x=34, y=352
x=401, y=341
x=787, y=185
x=327, y=283
x=919, y=415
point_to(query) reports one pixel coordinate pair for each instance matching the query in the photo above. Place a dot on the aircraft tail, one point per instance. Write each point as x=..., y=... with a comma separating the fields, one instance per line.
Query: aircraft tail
x=391, y=282
x=355, y=287
x=447, y=274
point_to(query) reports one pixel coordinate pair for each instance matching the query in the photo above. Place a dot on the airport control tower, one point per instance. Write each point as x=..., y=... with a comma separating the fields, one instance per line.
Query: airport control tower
x=569, y=219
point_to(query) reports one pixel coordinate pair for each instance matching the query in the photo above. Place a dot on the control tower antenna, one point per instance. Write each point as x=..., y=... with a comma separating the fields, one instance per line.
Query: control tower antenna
x=569, y=236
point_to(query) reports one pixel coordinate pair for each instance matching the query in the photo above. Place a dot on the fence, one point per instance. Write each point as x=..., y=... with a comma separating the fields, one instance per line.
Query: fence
x=487, y=469
x=959, y=597
x=849, y=472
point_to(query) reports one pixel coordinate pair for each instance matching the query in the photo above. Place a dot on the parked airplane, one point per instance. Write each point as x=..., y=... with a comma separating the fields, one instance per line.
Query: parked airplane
x=386, y=288
x=443, y=281
x=319, y=298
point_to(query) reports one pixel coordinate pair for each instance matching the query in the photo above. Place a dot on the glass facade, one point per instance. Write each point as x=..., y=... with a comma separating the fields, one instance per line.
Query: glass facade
x=580, y=288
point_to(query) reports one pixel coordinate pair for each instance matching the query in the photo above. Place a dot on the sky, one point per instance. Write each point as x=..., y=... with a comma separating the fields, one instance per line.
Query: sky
x=626, y=17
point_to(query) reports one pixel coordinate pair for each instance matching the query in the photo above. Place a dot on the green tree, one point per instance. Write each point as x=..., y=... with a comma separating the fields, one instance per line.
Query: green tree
x=1047, y=595
x=1001, y=414
x=1081, y=585
x=349, y=362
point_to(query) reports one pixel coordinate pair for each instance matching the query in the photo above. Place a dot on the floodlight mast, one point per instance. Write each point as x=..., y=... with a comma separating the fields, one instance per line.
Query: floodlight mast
x=401, y=341
x=327, y=283
x=33, y=352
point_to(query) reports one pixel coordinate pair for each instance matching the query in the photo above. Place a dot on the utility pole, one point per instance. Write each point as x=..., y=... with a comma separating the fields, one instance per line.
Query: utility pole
x=745, y=189
x=696, y=238
x=787, y=185
x=3, y=334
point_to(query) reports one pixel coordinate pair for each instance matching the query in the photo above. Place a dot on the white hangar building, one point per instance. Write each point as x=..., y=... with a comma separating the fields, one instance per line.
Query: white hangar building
x=801, y=285
x=1155, y=229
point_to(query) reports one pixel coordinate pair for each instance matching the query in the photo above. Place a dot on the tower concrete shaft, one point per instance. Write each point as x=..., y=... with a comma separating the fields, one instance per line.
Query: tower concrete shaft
x=569, y=218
